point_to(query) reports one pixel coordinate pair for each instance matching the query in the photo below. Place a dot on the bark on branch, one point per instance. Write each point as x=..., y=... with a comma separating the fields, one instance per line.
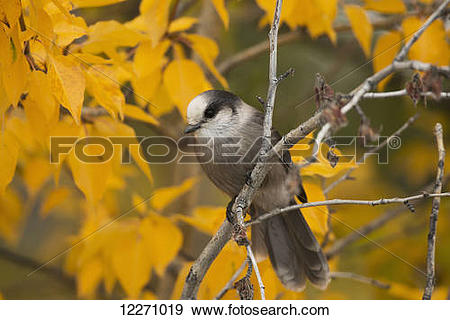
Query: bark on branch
x=434, y=215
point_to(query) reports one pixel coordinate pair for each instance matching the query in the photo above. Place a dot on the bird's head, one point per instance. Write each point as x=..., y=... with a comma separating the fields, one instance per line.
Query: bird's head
x=212, y=112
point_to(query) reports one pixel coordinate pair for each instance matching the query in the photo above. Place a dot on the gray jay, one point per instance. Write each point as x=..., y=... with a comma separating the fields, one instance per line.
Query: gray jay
x=287, y=239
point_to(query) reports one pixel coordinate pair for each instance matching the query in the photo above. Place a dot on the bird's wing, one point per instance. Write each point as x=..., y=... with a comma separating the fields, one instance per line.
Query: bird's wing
x=285, y=157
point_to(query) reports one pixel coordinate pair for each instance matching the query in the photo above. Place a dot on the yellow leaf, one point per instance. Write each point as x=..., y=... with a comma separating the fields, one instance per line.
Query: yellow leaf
x=88, y=58
x=432, y=45
x=91, y=177
x=184, y=80
x=323, y=167
x=178, y=51
x=386, y=6
x=222, y=11
x=89, y=277
x=41, y=110
x=4, y=101
x=148, y=295
x=131, y=261
x=9, y=151
x=147, y=66
x=139, y=114
x=289, y=11
x=68, y=31
x=163, y=240
x=105, y=36
x=139, y=203
x=384, y=52
x=182, y=24
x=208, y=51
x=361, y=26
x=53, y=199
x=94, y=3
x=316, y=15
x=162, y=197
x=13, y=66
x=11, y=216
x=315, y=216
x=149, y=58
x=403, y=291
x=36, y=173
x=145, y=88
x=134, y=149
x=68, y=84
x=161, y=103
x=206, y=219
x=40, y=23
x=67, y=129
x=105, y=88
x=322, y=17
x=1, y=296
x=10, y=11
x=427, y=1
x=156, y=14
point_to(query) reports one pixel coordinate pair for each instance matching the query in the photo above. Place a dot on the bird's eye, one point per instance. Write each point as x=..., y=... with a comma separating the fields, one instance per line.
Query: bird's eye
x=209, y=113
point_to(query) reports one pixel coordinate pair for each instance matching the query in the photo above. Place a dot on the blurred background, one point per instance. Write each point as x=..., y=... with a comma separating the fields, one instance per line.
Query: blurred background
x=32, y=238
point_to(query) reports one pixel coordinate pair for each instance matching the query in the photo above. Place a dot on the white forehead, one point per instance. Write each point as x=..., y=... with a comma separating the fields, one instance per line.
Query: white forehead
x=196, y=108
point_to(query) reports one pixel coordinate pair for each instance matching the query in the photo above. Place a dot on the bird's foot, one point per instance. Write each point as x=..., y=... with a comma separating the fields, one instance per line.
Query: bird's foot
x=248, y=178
x=229, y=213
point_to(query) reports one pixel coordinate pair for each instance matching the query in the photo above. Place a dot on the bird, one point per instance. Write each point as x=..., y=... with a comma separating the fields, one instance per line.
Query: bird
x=234, y=130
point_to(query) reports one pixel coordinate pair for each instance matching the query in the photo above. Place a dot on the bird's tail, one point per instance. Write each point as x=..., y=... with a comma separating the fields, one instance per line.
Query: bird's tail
x=293, y=250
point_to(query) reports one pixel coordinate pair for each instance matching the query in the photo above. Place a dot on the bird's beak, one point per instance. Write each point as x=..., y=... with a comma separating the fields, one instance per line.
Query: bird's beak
x=192, y=127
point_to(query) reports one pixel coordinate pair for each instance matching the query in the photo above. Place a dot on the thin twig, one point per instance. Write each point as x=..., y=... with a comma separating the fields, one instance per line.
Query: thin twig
x=398, y=132
x=359, y=278
x=335, y=202
x=434, y=214
x=373, y=225
x=290, y=37
x=371, y=82
x=229, y=285
x=399, y=93
x=258, y=275
x=436, y=14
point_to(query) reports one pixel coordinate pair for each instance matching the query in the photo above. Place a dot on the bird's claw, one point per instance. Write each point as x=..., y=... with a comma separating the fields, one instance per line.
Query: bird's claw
x=229, y=212
x=248, y=178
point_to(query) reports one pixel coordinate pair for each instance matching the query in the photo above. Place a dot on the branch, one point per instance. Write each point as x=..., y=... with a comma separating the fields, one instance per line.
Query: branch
x=335, y=202
x=229, y=285
x=30, y=263
x=373, y=150
x=436, y=14
x=359, y=278
x=290, y=37
x=396, y=65
x=372, y=81
x=373, y=225
x=204, y=261
x=399, y=93
x=434, y=214
x=342, y=243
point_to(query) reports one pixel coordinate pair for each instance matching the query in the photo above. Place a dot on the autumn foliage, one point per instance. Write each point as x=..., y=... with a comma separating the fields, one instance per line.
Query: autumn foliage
x=128, y=233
